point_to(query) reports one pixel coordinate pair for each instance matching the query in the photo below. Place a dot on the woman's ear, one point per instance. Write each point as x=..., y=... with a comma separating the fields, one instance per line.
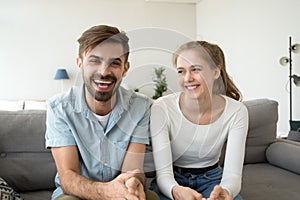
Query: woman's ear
x=217, y=72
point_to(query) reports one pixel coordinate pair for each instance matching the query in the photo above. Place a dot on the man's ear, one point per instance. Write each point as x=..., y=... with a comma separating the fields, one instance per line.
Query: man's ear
x=78, y=62
x=126, y=68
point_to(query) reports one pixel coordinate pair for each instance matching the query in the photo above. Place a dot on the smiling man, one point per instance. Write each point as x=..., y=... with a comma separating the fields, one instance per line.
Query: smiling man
x=97, y=133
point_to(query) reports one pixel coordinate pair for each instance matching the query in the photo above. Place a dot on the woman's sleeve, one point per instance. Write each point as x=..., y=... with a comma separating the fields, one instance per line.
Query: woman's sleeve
x=235, y=151
x=162, y=154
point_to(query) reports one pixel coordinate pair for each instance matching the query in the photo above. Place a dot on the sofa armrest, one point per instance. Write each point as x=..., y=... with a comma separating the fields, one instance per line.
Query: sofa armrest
x=284, y=154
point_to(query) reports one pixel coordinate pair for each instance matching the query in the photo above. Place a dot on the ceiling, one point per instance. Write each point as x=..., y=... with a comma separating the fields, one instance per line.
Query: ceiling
x=175, y=1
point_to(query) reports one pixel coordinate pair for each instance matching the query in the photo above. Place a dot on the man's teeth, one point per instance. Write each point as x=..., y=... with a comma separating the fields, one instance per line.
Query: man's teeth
x=102, y=82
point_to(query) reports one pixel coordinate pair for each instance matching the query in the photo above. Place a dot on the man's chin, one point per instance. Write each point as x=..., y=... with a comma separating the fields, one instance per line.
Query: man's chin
x=103, y=96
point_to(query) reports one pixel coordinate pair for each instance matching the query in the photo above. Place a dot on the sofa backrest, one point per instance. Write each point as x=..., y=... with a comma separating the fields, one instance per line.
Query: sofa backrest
x=25, y=163
x=263, y=117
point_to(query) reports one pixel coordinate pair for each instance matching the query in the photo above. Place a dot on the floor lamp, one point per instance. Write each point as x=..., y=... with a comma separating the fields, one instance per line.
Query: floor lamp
x=295, y=48
x=61, y=74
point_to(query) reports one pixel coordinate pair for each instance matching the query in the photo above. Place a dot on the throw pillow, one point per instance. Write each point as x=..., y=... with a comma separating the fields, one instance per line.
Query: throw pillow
x=295, y=125
x=7, y=193
x=294, y=135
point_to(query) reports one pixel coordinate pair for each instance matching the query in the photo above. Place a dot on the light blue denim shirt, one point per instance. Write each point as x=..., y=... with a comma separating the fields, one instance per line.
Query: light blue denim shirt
x=71, y=123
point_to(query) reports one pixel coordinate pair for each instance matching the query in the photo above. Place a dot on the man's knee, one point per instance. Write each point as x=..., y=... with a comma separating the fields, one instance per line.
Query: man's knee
x=151, y=195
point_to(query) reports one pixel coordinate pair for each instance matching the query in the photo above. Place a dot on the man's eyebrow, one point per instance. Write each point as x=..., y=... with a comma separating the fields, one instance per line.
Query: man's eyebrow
x=115, y=59
x=94, y=56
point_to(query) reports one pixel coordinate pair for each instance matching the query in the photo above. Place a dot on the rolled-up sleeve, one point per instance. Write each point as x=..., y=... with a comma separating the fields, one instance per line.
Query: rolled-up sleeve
x=57, y=133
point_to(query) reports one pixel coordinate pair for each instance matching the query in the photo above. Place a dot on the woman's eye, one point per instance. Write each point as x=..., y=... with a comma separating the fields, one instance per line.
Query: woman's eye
x=179, y=71
x=197, y=69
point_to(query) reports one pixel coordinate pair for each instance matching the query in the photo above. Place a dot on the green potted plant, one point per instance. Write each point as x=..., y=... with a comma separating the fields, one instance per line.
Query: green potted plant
x=160, y=81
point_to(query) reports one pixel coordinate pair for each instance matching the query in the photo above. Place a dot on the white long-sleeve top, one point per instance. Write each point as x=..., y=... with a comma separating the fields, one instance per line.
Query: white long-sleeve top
x=177, y=141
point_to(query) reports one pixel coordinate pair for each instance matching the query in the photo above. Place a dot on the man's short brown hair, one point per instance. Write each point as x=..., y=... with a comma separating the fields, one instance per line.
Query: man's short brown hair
x=102, y=33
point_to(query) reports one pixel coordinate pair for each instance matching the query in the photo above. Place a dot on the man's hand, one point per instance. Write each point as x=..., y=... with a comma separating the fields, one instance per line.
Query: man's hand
x=125, y=187
x=185, y=193
x=219, y=193
x=134, y=184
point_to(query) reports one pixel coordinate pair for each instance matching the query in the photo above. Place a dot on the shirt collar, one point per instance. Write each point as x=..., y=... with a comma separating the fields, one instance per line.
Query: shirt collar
x=80, y=105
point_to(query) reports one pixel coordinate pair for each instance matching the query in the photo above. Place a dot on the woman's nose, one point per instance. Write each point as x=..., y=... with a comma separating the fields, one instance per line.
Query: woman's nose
x=188, y=77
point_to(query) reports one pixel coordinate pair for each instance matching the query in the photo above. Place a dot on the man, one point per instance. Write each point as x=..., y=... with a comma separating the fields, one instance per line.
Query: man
x=97, y=133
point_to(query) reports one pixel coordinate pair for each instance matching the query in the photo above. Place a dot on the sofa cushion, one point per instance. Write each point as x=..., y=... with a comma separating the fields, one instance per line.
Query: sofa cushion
x=263, y=117
x=37, y=195
x=264, y=181
x=25, y=163
x=284, y=155
x=294, y=135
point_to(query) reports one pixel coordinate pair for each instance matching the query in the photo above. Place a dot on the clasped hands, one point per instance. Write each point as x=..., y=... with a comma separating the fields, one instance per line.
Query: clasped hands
x=126, y=186
x=186, y=193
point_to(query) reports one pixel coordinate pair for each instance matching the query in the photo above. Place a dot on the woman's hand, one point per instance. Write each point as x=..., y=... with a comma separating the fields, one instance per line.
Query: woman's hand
x=219, y=193
x=185, y=193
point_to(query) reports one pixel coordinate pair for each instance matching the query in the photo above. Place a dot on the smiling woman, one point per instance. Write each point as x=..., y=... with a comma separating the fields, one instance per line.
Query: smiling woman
x=190, y=127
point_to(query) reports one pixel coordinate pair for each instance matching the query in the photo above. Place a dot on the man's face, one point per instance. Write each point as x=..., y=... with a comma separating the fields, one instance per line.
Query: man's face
x=103, y=69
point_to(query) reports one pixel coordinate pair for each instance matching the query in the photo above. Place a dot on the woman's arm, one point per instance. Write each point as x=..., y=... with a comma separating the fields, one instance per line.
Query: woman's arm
x=162, y=148
x=235, y=151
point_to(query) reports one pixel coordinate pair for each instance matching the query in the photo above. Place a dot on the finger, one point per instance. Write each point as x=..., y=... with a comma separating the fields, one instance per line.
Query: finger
x=132, y=185
x=131, y=197
x=198, y=196
x=125, y=176
x=141, y=192
x=215, y=193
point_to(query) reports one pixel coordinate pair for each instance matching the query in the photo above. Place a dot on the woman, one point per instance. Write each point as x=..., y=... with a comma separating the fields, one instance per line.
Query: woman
x=189, y=129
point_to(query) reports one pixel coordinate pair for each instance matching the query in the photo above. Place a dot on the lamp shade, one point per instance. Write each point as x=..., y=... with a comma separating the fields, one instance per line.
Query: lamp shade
x=296, y=80
x=284, y=61
x=61, y=74
x=296, y=48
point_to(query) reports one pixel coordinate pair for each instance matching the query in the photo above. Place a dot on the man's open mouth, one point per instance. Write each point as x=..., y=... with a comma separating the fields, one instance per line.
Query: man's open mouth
x=103, y=84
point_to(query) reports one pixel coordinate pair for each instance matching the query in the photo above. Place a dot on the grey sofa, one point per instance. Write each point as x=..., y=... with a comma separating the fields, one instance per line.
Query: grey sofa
x=271, y=169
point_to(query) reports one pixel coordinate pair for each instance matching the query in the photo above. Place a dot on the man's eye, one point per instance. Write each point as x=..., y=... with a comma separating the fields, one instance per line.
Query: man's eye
x=115, y=63
x=95, y=61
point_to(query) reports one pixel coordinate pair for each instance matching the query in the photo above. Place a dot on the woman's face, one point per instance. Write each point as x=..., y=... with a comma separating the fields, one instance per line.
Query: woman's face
x=196, y=77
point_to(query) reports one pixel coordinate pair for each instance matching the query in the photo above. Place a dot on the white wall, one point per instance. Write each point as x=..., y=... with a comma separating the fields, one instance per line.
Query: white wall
x=39, y=36
x=254, y=36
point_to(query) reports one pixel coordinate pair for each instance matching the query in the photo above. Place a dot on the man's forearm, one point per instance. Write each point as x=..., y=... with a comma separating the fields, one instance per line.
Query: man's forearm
x=77, y=185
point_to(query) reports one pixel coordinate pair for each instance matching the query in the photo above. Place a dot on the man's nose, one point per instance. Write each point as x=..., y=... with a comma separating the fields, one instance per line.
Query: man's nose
x=104, y=69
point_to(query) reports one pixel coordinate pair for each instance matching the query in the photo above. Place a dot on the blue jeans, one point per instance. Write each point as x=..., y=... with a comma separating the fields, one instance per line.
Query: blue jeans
x=203, y=183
